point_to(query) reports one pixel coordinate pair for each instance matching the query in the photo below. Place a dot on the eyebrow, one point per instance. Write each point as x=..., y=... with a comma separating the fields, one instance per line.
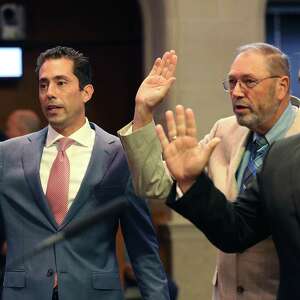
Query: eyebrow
x=58, y=77
x=243, y=75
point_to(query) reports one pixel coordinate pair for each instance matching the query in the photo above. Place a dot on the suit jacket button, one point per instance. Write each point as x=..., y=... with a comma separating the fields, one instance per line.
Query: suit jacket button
x=240, y=289
x=50, y=272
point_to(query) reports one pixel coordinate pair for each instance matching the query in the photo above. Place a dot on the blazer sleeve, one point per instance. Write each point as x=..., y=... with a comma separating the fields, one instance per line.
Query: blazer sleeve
x=150, y=176
x=2, y=230
x=142, y=247
x=230, y=226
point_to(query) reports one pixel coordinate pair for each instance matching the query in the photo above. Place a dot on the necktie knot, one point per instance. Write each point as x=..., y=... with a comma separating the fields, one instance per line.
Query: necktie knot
x=64, y=144
x=260, y=142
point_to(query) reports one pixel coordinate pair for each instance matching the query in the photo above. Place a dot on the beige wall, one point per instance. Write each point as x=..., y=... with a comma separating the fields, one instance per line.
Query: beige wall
x=205, y=34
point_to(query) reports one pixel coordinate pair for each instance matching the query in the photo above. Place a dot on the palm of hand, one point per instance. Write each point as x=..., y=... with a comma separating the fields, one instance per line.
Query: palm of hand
x=185, y=158
x=152, y=90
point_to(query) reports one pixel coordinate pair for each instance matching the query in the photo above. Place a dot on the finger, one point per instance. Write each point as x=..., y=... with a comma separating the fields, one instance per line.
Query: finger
x=162, y=136
x=164, y=71
x=171, y=125
x=211, y=145
x=164, y=62
x=180, y=120
x=191, y=127
x=156, y=67
x=171, y=65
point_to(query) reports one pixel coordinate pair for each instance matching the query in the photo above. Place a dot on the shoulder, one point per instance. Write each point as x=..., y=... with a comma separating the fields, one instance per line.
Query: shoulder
x=108, y=142
x=283, y=153
x=22, y=140
x=107, y=139
x=227, y=128
x=104, y=135
x=227, y=124
x=287, y=144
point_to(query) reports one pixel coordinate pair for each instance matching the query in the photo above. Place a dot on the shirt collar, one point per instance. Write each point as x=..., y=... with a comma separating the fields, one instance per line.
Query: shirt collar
x=83, y=136
x=281, y=126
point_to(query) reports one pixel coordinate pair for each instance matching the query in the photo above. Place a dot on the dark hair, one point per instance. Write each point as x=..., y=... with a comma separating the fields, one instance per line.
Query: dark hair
x=277, y=61
x=82, y=68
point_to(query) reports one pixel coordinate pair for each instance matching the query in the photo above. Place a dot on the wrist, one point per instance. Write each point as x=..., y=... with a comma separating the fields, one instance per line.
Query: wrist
x=185, y=185
x=143, y=115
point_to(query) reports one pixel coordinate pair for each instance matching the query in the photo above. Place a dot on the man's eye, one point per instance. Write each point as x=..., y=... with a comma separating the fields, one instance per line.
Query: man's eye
x=250, y=82
x=43, y=86
x=60, y=83
x=232, y=82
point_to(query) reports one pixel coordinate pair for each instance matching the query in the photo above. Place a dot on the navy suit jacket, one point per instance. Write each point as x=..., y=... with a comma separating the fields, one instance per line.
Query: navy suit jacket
x=86, y=265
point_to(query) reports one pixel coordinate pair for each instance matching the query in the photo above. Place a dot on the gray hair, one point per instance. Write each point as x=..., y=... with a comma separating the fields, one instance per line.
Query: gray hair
x=277, y=62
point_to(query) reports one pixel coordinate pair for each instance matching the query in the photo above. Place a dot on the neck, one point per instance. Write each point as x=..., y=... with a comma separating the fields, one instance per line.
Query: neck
x=68, y=130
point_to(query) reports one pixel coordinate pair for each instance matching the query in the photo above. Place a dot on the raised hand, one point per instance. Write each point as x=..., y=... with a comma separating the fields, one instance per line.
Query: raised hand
x=184, y=156
x=154, y=88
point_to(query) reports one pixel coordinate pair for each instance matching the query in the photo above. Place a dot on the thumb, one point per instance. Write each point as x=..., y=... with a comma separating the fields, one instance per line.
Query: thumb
x=211, y=145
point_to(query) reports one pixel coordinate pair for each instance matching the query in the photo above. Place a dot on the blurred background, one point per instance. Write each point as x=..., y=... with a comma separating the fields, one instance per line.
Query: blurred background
x=109, y=33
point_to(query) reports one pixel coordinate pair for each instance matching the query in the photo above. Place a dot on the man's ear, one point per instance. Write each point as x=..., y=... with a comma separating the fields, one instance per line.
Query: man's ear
x=87, y=92
x=283, y=87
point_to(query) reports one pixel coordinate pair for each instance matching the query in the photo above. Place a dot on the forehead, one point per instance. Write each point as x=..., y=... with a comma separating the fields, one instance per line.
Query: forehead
x=56, y=67
x=12, y=118
x=249, y=63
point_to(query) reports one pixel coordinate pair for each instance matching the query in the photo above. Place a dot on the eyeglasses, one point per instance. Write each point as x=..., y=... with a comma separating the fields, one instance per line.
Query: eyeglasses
x=245, y=83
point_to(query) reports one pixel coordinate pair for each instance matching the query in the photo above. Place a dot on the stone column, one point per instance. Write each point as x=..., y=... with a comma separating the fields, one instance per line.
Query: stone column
x=205, y=35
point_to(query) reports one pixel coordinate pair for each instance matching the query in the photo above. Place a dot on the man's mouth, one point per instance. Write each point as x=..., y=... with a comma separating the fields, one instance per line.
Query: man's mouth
x=240, y=108
x=53, y=108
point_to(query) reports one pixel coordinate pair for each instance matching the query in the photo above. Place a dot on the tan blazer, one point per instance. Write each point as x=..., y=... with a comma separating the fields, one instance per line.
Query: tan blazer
x=250, y=275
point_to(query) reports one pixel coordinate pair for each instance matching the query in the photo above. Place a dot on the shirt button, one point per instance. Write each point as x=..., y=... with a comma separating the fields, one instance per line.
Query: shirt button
x=240, y=289
x=50, y=272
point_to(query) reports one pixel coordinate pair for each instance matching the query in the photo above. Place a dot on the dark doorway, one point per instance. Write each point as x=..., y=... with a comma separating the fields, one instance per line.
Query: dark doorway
x=109, y=32
x=282, y=30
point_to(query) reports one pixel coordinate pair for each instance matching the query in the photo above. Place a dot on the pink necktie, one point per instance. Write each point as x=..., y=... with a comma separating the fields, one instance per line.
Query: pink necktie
x=58, y=182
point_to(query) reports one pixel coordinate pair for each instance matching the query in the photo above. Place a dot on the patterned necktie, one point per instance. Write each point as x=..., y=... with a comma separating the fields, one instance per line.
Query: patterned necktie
x=58, y=182
x=258, y=150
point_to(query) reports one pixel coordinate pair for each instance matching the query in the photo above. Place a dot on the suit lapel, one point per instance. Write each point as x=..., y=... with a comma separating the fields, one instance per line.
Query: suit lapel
x=235, y=160
x=102, y=155
x=31, y=159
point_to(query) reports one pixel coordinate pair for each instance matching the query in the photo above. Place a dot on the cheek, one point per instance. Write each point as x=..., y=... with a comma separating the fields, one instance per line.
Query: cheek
x=42, y=100
x=255, y=100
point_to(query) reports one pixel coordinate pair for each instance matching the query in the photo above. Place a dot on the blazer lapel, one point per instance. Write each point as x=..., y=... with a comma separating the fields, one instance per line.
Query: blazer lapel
x=31, y=158
x=237, y=154
x=102, y=155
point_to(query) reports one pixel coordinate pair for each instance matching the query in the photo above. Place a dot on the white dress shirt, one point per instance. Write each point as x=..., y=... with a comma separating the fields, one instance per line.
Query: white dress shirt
x=79, y=155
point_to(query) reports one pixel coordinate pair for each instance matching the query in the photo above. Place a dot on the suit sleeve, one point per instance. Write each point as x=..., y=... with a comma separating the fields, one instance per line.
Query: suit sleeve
x=2, y=230
x=230, y=226
x=150, y=176
x=142, y=246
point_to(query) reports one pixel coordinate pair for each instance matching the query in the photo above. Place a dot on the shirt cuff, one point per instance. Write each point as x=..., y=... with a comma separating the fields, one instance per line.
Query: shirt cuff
x=179, y=192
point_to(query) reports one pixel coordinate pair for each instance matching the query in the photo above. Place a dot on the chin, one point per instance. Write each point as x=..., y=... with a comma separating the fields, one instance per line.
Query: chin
x=56, y=123
x=248, y=122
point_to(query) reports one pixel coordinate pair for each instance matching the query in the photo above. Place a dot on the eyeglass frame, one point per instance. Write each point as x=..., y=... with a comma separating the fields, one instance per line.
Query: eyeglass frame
x=244, y=85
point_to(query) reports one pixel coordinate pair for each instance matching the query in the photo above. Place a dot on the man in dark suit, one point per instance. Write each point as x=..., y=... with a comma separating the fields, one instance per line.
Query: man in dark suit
x=51, y=178
x=270, y=205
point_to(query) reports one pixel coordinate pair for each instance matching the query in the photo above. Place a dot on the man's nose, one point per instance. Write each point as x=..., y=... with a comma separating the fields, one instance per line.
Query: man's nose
x=237, y=91
x=51, y=91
